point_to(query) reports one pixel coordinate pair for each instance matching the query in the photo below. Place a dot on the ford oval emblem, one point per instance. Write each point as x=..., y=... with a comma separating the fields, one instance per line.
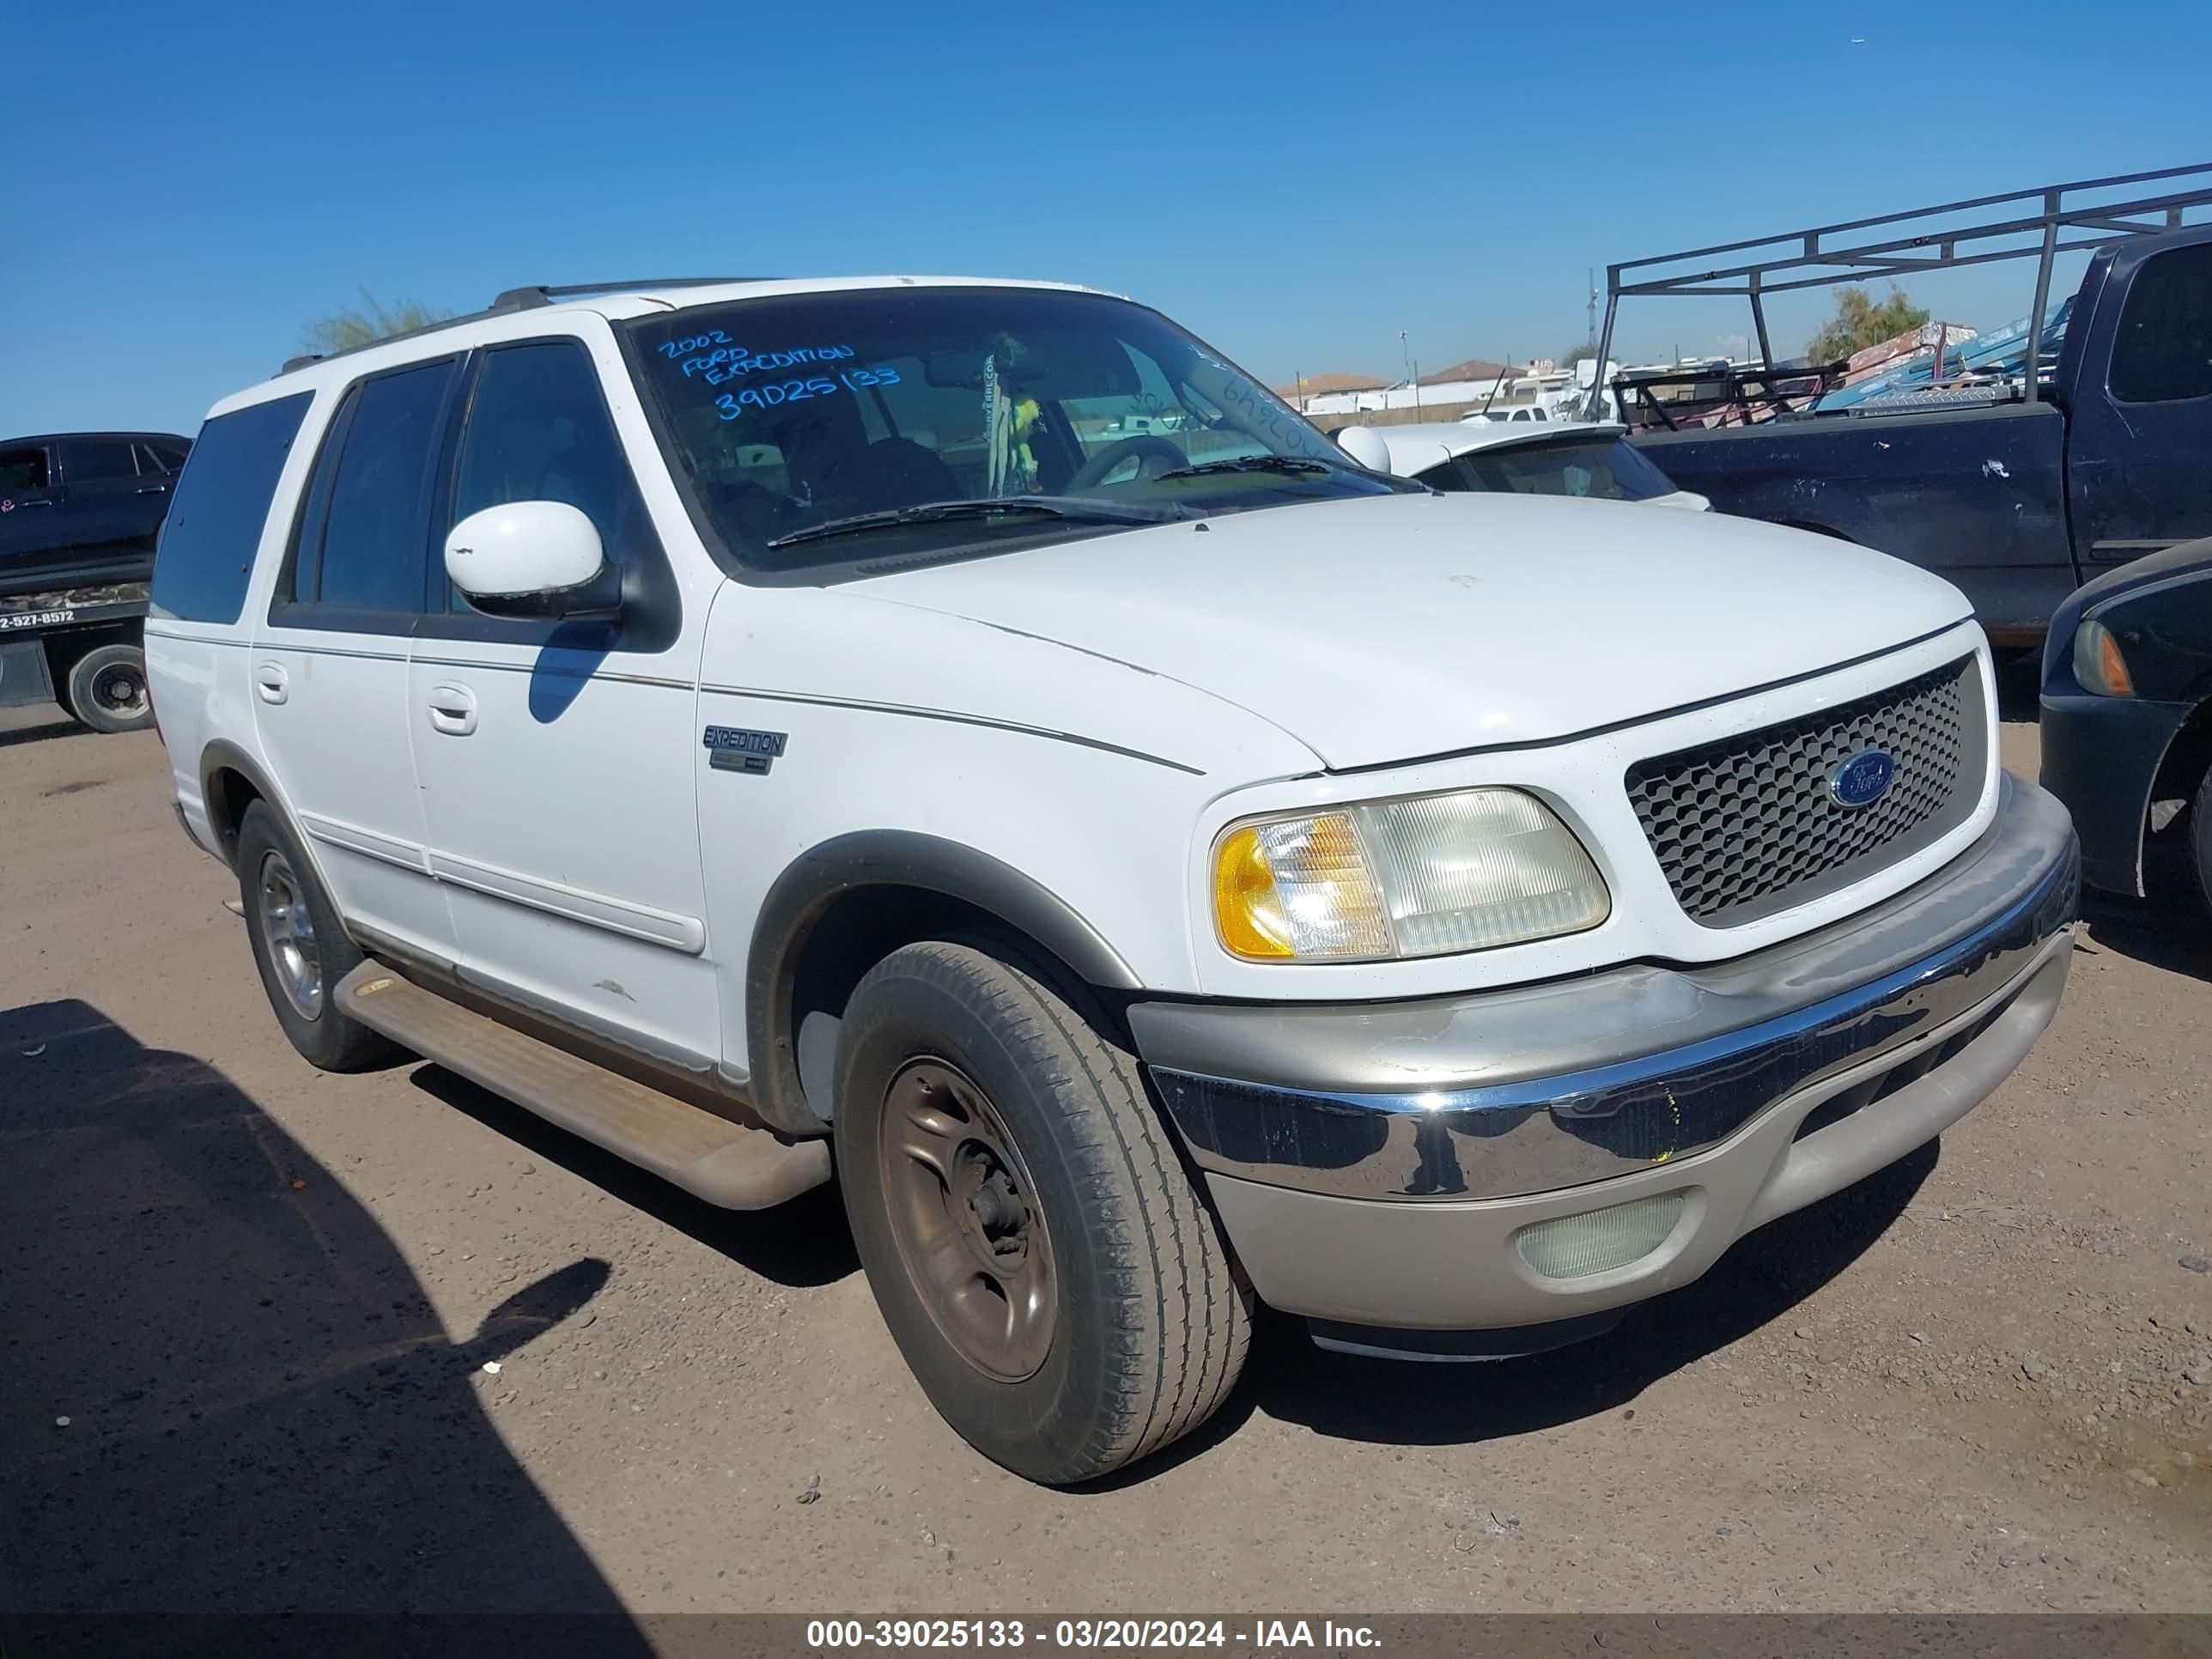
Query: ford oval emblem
x=1864, y=778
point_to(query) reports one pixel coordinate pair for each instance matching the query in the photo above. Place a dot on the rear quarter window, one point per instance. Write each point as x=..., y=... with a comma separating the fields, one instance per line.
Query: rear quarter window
x=205, y=558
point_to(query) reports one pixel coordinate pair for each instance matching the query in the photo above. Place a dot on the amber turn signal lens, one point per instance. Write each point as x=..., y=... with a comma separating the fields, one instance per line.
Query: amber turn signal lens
x=1245, y=903
x=2098, y=665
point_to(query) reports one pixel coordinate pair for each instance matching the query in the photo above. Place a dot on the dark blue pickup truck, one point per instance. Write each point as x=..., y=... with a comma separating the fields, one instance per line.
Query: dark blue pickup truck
x=79, y=515
x=83, y=506
x=2017, y=503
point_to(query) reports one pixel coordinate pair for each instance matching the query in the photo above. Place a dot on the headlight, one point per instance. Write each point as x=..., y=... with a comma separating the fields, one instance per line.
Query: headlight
x=1424, y=876
x=2098, y=665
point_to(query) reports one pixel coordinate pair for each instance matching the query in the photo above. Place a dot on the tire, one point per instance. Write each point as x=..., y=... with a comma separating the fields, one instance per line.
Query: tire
x=279, y=891
x=106, y=689
x=2200, y=842
x=1144, y=1322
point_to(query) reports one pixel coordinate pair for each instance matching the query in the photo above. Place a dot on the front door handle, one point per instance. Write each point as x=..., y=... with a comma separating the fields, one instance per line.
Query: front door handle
x=270, y=683
x=452, y=710
x=150, y=489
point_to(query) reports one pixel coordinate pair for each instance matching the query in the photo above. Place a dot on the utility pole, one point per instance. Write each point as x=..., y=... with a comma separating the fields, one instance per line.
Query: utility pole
x=1589, y=277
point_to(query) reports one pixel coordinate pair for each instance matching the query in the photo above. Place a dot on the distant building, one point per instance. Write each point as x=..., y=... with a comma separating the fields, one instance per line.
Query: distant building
x=1470, y=382
x=1473, y=369
x=1323, y=386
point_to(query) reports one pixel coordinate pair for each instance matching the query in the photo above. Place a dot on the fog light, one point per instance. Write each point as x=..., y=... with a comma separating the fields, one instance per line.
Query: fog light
x=1598, y=1241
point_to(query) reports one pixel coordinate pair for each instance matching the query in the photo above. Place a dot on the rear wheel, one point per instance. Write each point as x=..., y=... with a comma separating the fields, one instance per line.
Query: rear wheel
x=1038, y=1251
x=301, y=947
x=2201, y=841
x=106, y=690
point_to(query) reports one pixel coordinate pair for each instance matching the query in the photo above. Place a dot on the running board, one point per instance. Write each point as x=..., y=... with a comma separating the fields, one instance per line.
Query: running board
x=710, y=1157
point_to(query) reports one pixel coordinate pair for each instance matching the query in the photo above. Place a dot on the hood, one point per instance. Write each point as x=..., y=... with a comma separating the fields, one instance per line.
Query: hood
x=1391, y=628
x=2179, y=563
x=2182, y=559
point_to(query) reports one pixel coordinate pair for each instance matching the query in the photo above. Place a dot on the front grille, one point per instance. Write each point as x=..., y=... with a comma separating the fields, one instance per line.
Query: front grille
x=1748, y=826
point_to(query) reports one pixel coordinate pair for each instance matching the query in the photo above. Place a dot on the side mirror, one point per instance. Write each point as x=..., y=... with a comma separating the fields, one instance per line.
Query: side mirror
x=1365, y=446
x=532, y=559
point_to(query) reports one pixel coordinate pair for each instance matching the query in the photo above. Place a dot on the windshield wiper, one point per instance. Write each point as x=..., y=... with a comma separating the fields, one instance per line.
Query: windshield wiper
x=1255, y=464
x=1075, y=508
x=1297, y=464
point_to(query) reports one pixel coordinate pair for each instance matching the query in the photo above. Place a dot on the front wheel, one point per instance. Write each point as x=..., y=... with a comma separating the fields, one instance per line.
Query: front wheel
x=1039, y=1253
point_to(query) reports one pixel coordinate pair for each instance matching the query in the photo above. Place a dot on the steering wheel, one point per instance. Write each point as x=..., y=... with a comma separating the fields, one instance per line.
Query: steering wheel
x=1103, y=462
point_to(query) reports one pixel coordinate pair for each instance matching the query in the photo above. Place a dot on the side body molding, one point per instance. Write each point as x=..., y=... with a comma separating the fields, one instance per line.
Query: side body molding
x=888, y=858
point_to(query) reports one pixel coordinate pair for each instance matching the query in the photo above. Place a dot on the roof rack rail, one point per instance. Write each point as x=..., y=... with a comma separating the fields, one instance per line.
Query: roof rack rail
x=513, y=300
x=523, y=298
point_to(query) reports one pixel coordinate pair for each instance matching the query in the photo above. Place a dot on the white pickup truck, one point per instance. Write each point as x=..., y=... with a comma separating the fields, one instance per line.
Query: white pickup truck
x=973, y=737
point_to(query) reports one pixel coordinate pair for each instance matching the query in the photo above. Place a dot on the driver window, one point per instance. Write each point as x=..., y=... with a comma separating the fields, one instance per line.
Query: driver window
x=538, y=430
x=22, y=468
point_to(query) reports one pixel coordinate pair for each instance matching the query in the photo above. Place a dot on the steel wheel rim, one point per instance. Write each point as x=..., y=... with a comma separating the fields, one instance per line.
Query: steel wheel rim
x=968, y=1225
x=120, y=690
x=288, y=927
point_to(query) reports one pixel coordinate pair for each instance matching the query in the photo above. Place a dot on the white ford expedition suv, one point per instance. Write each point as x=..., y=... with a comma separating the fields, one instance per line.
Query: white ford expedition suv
x=971, y=737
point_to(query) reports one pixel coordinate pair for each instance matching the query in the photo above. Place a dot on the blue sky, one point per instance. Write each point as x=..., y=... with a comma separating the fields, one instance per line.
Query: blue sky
x=1295, y=182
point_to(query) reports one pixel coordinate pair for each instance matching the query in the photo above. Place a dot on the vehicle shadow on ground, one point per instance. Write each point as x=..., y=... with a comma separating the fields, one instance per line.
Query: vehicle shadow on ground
x=10, y=736
x=2168, y=930
x=1765, y=1275
x=803, y=1243
x=224, y=1396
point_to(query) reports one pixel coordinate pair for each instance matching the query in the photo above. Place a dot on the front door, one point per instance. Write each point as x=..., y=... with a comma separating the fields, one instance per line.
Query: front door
x=557, y=758
x=2138, y=443
x=31, y=527
x=329, y=662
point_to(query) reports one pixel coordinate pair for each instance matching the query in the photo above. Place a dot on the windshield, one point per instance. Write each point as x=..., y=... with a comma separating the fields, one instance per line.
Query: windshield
x=875, y=424
x=1604, y=468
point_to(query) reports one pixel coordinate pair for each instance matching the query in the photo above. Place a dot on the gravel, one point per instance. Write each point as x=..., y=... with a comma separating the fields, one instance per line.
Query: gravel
x=1977, y=1381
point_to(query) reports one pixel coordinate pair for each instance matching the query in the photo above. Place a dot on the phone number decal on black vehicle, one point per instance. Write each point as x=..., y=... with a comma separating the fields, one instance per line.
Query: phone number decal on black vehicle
x=829, y=1634
x=38, y=619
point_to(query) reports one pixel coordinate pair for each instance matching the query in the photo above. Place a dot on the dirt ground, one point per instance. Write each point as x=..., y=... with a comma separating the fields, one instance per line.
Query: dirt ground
x=249, y=1317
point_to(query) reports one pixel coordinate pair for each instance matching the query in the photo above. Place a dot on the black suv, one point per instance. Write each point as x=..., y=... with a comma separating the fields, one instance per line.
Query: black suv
x=79, y=507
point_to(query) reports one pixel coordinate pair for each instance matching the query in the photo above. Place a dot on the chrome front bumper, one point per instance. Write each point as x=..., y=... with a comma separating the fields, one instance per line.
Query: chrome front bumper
x=1336, y=1137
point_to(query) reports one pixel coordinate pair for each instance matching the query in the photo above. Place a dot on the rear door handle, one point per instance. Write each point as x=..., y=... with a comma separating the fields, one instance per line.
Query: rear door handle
x=150, y=489
x=452, y=710
x=270, y=682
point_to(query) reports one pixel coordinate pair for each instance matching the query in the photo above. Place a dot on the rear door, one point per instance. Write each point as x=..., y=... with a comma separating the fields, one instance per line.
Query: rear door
x=329, y=663
x=110, y=505
x=2139, y=440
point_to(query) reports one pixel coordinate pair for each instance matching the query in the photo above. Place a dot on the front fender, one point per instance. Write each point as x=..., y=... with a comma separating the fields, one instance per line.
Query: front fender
x=815, y=880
